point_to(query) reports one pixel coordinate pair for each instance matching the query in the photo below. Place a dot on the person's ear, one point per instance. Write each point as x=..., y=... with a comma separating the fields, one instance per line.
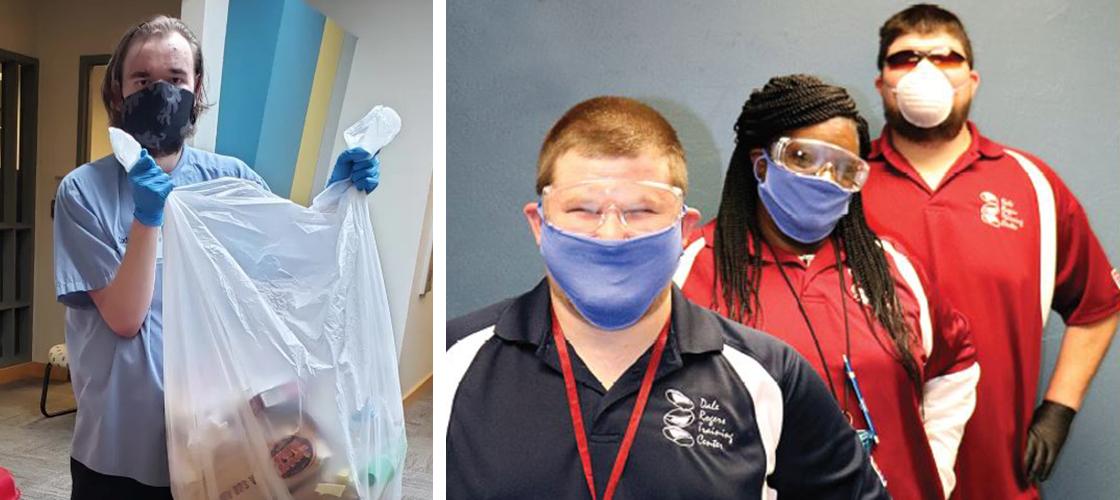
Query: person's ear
x=975, y=77
x=758, y=163
x=879, y=82
x=689, y=221
x=534, y=219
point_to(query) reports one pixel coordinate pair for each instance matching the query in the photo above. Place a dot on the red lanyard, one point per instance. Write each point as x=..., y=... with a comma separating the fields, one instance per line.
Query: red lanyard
x=635, y=414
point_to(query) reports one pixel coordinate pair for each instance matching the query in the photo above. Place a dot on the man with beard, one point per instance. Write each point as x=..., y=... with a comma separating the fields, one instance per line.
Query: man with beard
x=1002, y=237
x=108, y=257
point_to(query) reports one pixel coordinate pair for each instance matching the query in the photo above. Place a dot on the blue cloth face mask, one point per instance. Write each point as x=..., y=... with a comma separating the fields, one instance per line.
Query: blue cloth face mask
x=612, y=283
x=805, y=208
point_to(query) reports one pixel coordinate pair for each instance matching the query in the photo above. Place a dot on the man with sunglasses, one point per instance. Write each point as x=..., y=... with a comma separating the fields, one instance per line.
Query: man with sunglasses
x=1003, y=239
x=605, y=382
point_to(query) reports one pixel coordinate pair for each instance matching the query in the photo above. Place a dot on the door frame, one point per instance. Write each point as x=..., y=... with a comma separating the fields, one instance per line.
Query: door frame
x=85, y=64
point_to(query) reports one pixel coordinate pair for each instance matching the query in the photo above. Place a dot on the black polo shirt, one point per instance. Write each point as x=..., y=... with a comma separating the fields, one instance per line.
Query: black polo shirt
x=733, y=413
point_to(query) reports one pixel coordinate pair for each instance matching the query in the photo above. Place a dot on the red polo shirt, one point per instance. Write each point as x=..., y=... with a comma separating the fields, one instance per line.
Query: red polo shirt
x=906, y=455
x=1005, y=241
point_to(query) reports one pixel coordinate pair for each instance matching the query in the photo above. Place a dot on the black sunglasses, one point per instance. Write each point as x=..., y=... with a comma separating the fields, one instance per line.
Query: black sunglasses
x=942, y=58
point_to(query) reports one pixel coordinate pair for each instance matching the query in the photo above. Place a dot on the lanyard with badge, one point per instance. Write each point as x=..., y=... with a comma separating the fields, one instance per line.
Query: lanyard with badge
x=869, y=438
x=577, y=414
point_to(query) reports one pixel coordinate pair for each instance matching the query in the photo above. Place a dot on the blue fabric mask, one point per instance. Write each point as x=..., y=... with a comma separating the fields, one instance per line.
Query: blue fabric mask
x=612, y=283
x=804, y=208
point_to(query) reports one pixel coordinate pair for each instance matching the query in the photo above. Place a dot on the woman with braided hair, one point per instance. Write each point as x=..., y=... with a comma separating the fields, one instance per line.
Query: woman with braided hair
x=791, y=254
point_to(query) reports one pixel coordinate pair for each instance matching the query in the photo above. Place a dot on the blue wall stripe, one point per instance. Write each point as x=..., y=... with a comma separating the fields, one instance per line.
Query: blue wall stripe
x=297, y=53
x=271, y=52
x=251, y=33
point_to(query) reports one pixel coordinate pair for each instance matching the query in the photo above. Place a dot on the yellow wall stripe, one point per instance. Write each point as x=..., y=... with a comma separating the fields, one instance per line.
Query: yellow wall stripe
x=317, y=107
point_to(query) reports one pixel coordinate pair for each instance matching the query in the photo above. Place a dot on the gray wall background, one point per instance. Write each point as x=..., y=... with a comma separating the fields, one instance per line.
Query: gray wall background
x=1049, y=83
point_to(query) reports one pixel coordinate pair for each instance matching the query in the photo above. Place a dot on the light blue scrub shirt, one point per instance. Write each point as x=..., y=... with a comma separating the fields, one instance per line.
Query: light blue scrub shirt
x=118, y=382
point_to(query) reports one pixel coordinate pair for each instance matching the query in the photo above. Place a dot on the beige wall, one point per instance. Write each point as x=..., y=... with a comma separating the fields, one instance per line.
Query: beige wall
x=416, y=344
x=17, y=26
x=61, y=31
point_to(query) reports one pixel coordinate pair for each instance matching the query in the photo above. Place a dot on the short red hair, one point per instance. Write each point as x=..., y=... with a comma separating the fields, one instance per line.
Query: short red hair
x=609, y=126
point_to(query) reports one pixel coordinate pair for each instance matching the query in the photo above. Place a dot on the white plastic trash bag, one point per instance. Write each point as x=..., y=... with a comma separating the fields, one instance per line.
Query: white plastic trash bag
x=376, y=129
x=280, y=366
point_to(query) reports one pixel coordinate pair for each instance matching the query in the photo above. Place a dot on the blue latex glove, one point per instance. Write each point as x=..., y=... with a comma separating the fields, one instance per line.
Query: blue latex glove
x=150, y=187
x=358, y=165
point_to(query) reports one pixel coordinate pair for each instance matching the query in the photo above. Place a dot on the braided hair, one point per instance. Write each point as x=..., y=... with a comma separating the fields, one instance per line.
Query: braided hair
x=784, y=104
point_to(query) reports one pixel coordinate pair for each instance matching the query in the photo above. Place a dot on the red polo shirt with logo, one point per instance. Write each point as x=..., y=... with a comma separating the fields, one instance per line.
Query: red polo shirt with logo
x=1004, y=240
x=918, y=432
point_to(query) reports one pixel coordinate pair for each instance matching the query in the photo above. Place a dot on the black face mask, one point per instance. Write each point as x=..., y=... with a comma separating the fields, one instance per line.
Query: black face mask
x=159, y=117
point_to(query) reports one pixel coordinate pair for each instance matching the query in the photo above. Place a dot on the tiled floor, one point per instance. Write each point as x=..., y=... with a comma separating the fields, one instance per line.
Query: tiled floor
x=417, y=482
x=36, y=450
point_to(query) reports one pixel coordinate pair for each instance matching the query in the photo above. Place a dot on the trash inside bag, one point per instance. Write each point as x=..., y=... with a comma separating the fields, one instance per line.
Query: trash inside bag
x=280, y=366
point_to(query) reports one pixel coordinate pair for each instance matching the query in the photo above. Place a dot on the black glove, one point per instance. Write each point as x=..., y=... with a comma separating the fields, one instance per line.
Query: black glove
x=1045, y=438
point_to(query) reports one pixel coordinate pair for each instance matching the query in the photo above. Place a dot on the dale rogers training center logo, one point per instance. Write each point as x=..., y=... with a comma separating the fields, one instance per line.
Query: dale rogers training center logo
x=999, y=212
x=711, y=426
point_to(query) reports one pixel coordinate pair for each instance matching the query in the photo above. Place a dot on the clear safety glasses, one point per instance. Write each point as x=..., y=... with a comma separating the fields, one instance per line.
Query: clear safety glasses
x=815, y=158
x=642, y=207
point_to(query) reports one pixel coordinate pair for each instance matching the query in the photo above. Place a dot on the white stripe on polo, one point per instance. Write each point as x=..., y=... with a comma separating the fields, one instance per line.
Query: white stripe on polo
x=684, y=267
x=1048, y=231
x=947, y=403
x=456, y=362
x=906, y=269
x=768, y=406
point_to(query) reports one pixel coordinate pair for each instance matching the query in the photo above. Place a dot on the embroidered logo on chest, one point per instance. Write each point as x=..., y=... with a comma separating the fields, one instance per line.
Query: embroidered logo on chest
x=689, y=424
x=999, y=212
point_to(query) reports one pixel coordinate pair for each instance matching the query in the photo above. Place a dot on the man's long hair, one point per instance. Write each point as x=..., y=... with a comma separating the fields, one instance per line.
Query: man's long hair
x=158, y=26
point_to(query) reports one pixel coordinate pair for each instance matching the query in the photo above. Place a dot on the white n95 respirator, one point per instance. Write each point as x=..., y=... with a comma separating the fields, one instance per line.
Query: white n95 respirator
x=925, y=95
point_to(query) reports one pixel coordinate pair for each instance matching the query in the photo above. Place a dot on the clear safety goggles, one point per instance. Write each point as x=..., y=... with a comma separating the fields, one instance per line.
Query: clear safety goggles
x=813, y=158
x=642, y=207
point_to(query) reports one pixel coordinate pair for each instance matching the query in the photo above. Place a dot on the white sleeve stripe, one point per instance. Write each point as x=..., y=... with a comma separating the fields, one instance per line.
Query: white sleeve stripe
x=455, y=363
x=1048, y=231
x=948, y=402
x=684, y=267
x=906, y=269
x=768, y=406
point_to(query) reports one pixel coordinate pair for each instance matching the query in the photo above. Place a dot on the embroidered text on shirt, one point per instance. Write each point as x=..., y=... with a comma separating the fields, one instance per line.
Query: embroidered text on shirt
x=999, y=212
x=711, y=427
